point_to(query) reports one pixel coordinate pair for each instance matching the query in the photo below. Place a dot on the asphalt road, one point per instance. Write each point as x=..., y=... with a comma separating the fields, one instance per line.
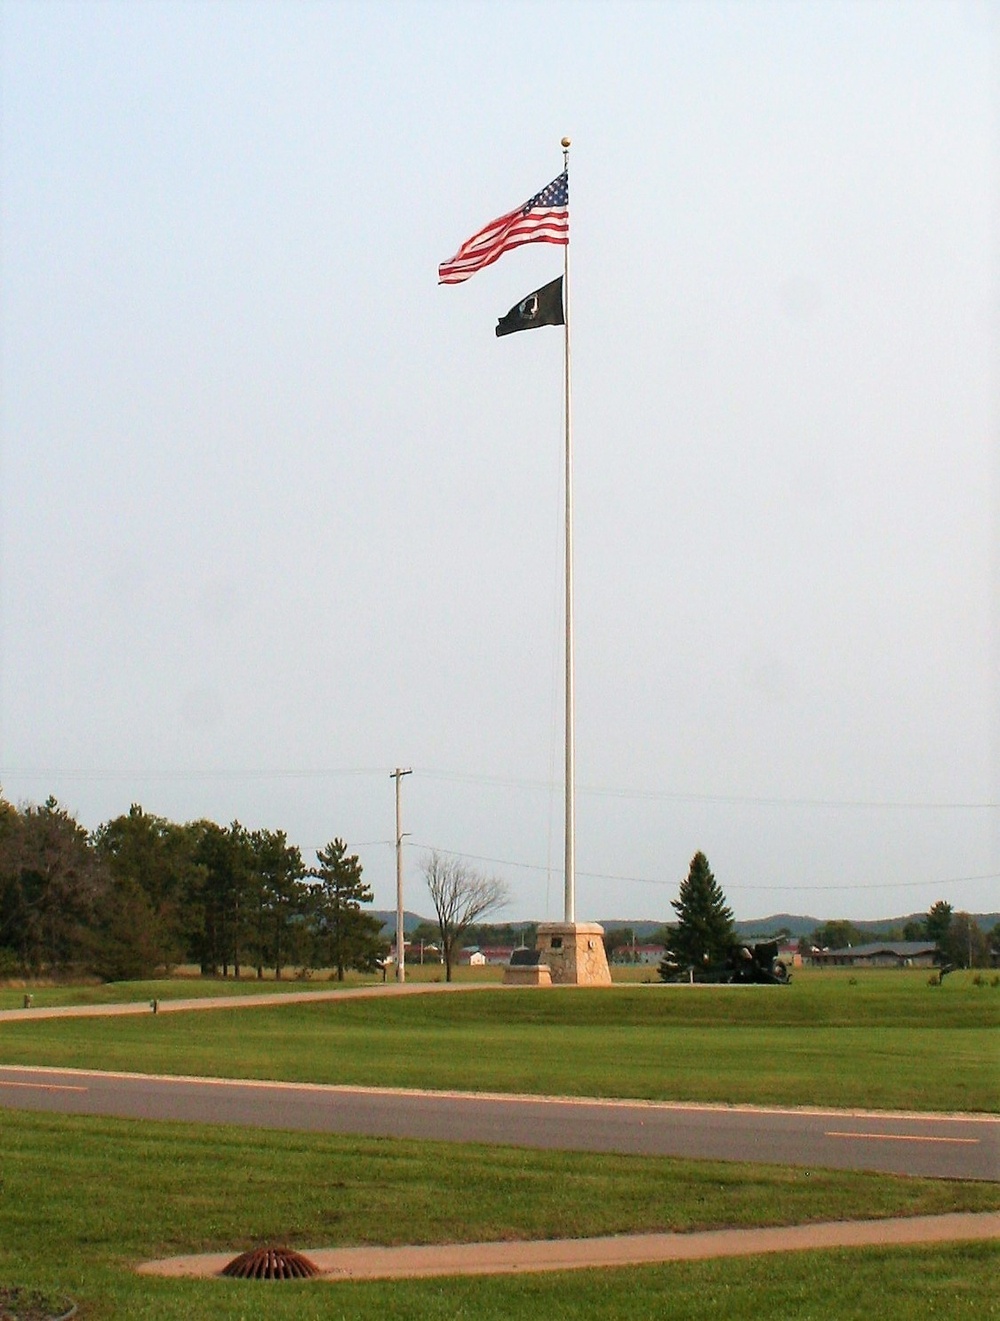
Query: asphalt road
x=944, y=1146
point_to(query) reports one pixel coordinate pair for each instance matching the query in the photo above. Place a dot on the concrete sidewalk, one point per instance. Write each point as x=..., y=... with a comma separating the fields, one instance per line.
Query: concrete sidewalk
x=377, y=1263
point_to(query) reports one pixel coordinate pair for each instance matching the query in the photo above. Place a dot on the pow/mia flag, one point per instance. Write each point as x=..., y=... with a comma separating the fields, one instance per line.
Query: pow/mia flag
x=542, y=308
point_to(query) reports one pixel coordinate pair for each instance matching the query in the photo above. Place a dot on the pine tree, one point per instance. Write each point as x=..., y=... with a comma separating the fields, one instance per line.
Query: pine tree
x=348, y=938
x=704, y=931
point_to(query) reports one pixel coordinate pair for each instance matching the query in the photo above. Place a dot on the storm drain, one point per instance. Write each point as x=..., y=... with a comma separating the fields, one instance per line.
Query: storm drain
x=271, y=1264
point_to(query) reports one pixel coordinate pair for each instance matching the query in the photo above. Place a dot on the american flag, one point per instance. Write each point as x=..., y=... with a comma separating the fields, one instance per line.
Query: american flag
x=544, y=218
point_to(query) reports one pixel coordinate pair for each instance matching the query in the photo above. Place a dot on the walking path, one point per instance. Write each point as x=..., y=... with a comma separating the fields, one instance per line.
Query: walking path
x=376, y=1263
x=235, y=1001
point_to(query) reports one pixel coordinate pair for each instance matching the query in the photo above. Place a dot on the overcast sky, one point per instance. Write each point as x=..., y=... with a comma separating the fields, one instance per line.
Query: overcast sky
x=279, y=513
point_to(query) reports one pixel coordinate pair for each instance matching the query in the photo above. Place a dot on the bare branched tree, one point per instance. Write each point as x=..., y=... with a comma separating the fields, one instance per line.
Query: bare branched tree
x=460, y=895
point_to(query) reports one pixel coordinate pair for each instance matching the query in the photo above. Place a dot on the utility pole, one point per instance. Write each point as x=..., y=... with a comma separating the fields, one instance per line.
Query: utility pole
x=397, y=775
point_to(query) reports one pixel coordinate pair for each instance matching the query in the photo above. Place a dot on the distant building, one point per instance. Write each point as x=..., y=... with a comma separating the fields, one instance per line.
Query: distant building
x=633, y=954
x=497, y=954
x=649, y=953
x=790, y=954
x=881, y=954
x=415, y=952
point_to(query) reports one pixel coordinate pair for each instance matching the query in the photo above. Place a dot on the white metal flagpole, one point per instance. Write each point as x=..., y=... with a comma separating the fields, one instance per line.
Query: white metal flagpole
x=569, y=891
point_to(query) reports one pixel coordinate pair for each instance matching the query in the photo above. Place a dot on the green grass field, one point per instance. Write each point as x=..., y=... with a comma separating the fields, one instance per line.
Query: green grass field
x=188, y=984
x=47, y=994
x=880, y=1040
x=82, y=1200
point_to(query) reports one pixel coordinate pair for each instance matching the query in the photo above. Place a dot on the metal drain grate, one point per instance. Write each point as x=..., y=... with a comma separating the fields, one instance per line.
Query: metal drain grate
x=271, y=1264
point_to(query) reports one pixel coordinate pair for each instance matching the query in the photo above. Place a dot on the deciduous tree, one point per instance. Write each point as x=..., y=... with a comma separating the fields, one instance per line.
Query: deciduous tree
x=965, y=945
x=838, y=934
x=939, y=922
x=50, y=885
x=144, y=917
x=460, y=895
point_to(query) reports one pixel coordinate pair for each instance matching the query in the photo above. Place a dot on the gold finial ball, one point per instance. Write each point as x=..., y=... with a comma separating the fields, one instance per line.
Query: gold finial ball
x=565, y=142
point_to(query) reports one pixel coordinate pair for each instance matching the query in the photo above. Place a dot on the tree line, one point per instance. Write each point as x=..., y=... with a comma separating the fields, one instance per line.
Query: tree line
x=958, y=936
x=141, y=894
x=705, y=930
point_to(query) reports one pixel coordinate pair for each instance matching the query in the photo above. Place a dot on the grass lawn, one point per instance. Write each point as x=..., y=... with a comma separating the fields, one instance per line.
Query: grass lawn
x=880, y=1039
x=187, y=983
x=47, y=993
x=83, y=1199
x=951, y=1283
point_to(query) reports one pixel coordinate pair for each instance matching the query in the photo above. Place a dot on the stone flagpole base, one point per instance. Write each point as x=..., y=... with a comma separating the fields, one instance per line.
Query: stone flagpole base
x=574, y=952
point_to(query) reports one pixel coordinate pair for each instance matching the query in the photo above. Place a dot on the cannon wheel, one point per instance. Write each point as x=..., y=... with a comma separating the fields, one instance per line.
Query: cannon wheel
x=779, y=970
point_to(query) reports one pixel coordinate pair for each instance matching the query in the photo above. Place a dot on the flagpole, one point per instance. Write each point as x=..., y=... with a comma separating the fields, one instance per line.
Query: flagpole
x=569, y=890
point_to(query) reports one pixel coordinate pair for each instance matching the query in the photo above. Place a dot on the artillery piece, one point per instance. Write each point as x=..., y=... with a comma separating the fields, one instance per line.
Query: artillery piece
x=745, y=964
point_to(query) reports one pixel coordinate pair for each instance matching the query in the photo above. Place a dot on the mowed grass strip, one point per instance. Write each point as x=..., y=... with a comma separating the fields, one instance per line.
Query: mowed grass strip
x=954, y=1282
x=829, y=997
x=45, y=995
x=832, y=996
x=877, y=1043
x=82, y=1200
x=187, y=984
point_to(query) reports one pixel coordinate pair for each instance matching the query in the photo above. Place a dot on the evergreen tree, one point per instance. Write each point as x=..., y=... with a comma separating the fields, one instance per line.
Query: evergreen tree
x=225, y=895
x=939, y=923
x=280, y=898
x=347, y=937
x=704, y=930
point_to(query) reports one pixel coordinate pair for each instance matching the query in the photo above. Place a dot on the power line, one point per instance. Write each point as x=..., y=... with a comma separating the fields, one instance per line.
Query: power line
x=648, y=880
x=276, y=773
x=750, y=800
x=509, y=782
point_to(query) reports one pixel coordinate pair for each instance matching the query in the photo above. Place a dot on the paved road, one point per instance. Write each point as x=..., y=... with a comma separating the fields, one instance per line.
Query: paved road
x=947, y=1146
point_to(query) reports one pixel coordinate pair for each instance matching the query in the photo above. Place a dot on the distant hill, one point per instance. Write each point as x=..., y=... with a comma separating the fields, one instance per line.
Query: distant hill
x=643, y=930
x=800, y=925
x=751, y=929
x=387, y=916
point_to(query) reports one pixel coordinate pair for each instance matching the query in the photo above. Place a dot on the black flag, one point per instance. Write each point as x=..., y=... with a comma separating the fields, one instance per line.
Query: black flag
x=542, y=308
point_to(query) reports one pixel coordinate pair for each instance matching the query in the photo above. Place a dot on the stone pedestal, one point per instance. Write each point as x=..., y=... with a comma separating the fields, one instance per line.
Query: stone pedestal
x=574, y=952
x=532, y=974
x=527, y=968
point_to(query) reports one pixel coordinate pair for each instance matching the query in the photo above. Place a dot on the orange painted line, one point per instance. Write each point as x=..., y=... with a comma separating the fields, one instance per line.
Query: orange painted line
x=901, y=1137
x=44, y=1086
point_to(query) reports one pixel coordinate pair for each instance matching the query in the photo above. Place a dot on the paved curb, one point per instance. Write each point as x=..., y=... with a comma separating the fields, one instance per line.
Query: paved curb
x=375, y=1263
